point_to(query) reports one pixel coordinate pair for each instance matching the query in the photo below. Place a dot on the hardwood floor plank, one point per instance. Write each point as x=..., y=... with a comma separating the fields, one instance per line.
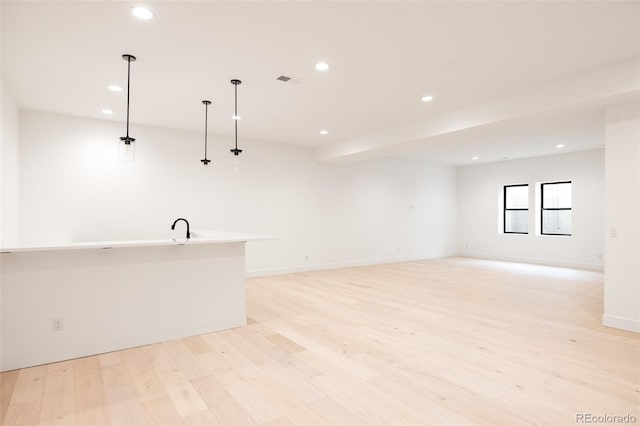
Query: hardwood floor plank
x=188, y=361
x=23, y=413
x=287, y=402
x=184, y=397
x=197, y=345
x=124, y=406
x=225, y=409
x=110, y=358
x=29, y=385
x=286, y=344
x=256, y=404
x=335, y=414
x=8, y=381
x=160, y=411
x=142, y=376
x=26, y=401
x=281, y=421
x=90, y=399
x=58, y=401
x=201, y=418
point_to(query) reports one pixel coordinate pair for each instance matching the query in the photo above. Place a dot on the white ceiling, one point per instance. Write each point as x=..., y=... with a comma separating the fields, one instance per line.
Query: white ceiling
x=60, y=56
x=540, y=134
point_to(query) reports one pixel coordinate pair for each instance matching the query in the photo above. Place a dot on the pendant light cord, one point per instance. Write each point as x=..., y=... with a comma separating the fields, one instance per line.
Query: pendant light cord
x=128, y=91
x=235, y=83
x=235, y=86
x=205, y=160
x=129, y=58
x=206, y=109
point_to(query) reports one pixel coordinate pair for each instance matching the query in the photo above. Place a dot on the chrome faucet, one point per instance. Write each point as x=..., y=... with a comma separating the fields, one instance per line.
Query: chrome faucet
x=185, y=221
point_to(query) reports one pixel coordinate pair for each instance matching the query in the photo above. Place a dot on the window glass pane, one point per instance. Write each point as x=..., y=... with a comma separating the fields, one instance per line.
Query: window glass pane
x=557, y=195
x=517, y=197
x=556, y=221
x=516, y=221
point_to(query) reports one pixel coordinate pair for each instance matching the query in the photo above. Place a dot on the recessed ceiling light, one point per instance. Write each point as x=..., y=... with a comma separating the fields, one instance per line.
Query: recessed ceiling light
x=322, y=66
x=236, y=117
x=324, y=132
x=114, y=88
x=107, y=111
x=426, y=98
x=560, y=145
x=474, y=158
x=142, y=13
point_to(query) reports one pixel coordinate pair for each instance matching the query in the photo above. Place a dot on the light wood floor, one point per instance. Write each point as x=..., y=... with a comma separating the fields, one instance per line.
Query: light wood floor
x=444, y=342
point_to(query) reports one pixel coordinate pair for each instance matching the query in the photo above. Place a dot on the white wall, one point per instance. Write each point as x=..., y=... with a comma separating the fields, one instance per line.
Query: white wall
x=9, y=206
x=73, y=188
x=622, y=180
x=480, y=210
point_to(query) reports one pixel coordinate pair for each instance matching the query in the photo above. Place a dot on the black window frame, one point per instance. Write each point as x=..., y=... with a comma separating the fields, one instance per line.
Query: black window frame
x=505, y=209
x=542, y=208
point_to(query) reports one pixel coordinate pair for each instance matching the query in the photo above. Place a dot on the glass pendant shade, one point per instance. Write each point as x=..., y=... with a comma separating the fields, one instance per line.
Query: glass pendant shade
x=237, y=163
x=127, y=153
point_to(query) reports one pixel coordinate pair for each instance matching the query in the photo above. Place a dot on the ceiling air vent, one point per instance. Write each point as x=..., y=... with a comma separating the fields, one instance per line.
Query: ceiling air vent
x=289, y=80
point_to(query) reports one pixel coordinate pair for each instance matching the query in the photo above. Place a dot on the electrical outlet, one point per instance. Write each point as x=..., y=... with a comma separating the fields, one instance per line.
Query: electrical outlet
x=599, y=256
x=58, y=324
x=306, y=258
x=613, y=232
x=398, y=250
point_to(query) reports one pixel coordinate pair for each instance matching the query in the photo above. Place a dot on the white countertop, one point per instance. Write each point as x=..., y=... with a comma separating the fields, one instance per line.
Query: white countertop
x=197, y=237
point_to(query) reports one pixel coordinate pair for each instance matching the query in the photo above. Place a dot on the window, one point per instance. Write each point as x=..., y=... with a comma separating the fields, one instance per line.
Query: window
x=516, y=209
x=555, y=215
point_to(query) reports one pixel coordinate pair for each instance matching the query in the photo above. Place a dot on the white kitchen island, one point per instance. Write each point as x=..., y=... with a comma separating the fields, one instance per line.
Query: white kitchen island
x=68, y=300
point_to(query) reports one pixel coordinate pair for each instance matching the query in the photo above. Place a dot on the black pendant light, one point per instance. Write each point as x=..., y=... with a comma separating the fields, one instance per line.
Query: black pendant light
x=236, y=117
x=205, y=160
x=129, y=58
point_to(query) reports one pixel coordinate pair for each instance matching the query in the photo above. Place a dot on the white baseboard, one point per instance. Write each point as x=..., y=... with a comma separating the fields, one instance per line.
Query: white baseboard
x=628, y=324
x=342, y=264
x=536, y=261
